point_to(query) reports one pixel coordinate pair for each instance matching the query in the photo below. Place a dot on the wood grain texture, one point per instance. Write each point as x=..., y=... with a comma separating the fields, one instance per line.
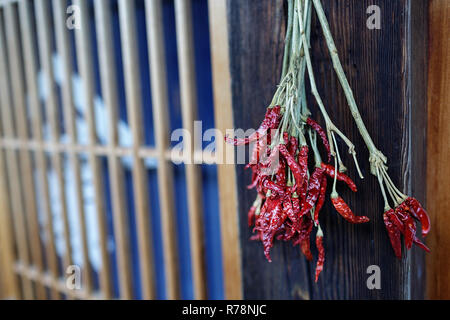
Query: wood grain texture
x=438, y=274
x=384, y=72
x=223, y=115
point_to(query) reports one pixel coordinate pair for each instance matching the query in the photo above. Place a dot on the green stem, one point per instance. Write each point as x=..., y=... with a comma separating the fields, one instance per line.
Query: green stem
x=375, y=153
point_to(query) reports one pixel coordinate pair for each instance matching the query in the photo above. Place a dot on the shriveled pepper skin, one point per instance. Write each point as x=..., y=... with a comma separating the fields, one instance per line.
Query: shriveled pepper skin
x=345, y=211
x=304, y=233
x=322, y=135
x=321, y=258
x=321, y=199
x=409, y=226
x=420, y=214
x=313, y=191
x=393, y=232
x=296, y=168
x=303, y=163
x=271, y=121
x=331, y=171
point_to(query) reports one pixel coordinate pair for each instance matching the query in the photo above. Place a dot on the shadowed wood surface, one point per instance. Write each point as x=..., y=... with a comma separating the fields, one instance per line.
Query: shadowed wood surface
x=386, y=71
x=439, y=151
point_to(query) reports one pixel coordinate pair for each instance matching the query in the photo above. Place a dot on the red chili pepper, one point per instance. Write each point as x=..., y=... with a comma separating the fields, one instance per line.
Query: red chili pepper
x=281, y=173
x=293, y=146
x=409, y=225
x=303, y=163
x=304, y=233
x=251, y=216
x=271, y=121
x=322, y=135
x=393, y=232
x=313, y=191
x=321, y=199
x=295, y=167
x=331, y=171
x=321, y=258
x=421, y=245
x=272, y=186
x=420, y=214
x=346, y=212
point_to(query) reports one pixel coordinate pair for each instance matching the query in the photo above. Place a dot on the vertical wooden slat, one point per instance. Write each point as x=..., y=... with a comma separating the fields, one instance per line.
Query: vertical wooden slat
x=183, y=17
x=438, y=173
x=64, y=48
x=84, y=55
x=13, y=172
x=160, y=120
x=35, y=111
x=109, y=88
x=25, y=164
x=43, y=20
x=134, y=108
x=11, y=288
x=223, y=113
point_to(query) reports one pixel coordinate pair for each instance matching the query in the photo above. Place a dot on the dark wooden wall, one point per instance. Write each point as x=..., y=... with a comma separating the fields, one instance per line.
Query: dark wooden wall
x=387, y=71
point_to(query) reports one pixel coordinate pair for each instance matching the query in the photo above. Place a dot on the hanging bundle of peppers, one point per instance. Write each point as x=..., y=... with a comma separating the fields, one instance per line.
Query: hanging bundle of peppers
x=289, y=174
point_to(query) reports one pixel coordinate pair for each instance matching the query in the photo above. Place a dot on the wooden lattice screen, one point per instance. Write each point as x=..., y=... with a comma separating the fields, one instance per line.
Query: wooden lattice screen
x=31, y=265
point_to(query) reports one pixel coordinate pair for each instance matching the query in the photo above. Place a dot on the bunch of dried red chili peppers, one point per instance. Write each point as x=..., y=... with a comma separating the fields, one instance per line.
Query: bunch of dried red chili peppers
x=290, y=197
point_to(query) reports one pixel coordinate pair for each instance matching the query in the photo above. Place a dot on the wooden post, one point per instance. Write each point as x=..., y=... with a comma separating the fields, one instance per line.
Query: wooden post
x=438, y=274
x=387, y=72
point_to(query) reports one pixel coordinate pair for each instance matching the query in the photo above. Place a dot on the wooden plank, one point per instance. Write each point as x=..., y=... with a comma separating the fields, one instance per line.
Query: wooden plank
x=379, y=64
x=160, y=121
x=43, y=20
x=35, y=111
x=109, y=88
x=134, y=108
x=223, y=115
x=185, y=44
x=438, y=198
x=84, y=55
x=20, y=119
x=11, y=286
x=64, y=49
x=13, y=173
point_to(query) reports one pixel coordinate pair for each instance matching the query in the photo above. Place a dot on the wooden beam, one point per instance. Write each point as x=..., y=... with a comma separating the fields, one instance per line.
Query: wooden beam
x=63, y=46
x=384, y=70
x=438, y=274
x=109, y=80
x=185, y=44
x=161, y=124
x=85, y=60
x=223, y=115
x=134, y=109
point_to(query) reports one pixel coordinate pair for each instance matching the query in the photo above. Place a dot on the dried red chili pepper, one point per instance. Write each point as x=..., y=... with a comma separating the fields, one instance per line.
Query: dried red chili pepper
x=420, y=214
x=409, y=226
x=296, y=168
x=331, y=171
x=321, y=199
x=293, y=146
x=321, y=258
x=313, y=191
x=322, y=135
x=271, y=121
x=345, y=211
x=303, y=163
x=393, y=232
x=304, y=233
x=272, y=186
x=251, y=216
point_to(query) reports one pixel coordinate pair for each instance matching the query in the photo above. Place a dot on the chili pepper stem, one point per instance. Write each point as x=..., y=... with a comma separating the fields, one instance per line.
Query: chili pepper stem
x=329, y=124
